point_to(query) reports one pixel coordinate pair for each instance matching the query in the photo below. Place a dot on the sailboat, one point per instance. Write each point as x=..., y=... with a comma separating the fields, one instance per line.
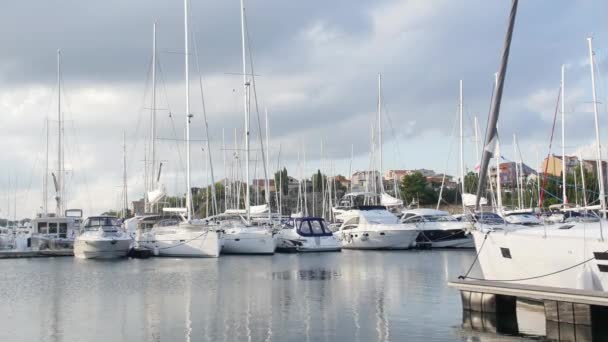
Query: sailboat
x=438, y=229
x=58, y=230
x=184, y=236
x=566, y=255
x=241, y=236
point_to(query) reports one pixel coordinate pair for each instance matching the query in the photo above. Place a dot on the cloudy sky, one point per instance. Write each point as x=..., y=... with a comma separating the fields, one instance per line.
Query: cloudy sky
x=316, y=64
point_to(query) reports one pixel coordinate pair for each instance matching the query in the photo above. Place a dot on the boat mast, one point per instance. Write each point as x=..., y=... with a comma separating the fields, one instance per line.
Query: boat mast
x=267, y=161
x=60, y=188
x=246, y=104
x=225, y=173
x=461, y=110
x=45, y=199
x=188, y=115
x=564, y=197
x=491, y=134
x=153, y=121
x=124, y=176
x=498, y=185
x=600, y=165
x=476, y=127
x=517, y=173
x=380, y=129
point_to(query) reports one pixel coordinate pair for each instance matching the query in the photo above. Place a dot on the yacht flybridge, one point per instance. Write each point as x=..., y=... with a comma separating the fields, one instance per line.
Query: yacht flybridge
x=374, y=227
x=102, y=237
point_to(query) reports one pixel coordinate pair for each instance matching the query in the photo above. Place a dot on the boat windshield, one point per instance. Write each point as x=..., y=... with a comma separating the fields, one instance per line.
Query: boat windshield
x=490, y=218
x=313, y=227
x=439, y=218
x=106, y=223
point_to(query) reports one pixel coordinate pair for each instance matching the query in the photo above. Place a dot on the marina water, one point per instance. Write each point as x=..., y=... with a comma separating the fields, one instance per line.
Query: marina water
x=347, y=296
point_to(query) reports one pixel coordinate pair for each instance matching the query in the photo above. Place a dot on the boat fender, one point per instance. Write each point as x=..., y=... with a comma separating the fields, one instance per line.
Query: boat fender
x=155, y=251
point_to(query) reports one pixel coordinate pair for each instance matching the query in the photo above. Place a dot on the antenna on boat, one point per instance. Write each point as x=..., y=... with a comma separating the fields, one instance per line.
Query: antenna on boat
x=600, y=165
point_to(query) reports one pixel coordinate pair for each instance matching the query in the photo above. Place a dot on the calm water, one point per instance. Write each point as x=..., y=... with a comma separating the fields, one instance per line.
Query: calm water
x=348, y=296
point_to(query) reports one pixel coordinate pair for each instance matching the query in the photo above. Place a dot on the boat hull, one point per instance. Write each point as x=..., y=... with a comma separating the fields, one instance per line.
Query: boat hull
x=184, y=243
x=288, y=241
x=101, y=249
x=241, y=242
x=377, y=239
x=452, y=238
x=531, y=258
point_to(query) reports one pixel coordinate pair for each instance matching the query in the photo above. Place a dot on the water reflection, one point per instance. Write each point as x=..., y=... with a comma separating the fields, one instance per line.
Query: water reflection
x=348, y=296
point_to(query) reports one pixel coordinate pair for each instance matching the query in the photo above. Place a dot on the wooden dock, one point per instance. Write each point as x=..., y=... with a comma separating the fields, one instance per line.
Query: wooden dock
x=10, y=254
x=570, y=314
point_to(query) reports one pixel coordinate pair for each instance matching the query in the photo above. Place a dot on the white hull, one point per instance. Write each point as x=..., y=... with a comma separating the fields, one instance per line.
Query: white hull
x=289, y=240
x=456, y=243
x=240, y=241
x=377, y=239
x=177, y=242
x=527, y=256
x=101, y=249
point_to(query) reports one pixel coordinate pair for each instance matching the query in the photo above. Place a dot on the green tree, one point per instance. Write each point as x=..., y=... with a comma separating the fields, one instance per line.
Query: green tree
x=415, y=187
x=471, y=181
x=318, y=179
x=281, y=181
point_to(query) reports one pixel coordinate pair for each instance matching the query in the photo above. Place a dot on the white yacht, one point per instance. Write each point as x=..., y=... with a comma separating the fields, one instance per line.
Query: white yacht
x=374, y=227
x=572, y=255
x=55, y=232
x=307, y=234
x=438, y=229
x=241, y=237
x=524, y=218
x=173, y=237
x=102, y=237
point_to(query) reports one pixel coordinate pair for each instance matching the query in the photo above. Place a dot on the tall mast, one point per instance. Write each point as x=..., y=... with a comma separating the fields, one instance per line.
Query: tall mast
x=564, y=198
x=498, y=185
x=460, y=106
x=380, y=129
x=600, y=165
x=246, y=105
x=188, y=115
x=153, y=133
x=60, y=188
x=476, y=128
x=124, y=176
x=225, y=173
x=517, y=174
x=491, y=134
x=45, y=199
x=267, y=185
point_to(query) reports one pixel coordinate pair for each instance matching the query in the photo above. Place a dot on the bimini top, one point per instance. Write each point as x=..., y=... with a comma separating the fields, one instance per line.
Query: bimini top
x=311, y=226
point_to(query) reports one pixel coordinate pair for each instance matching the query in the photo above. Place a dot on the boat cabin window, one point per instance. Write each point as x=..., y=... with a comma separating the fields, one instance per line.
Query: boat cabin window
x=414, y=219
x=95, y=223
x=43, y=228
x=52, y=228
x=352, y=221
x=304, y=228
x=63, y=230
x=407, y=216
x=316, y=226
